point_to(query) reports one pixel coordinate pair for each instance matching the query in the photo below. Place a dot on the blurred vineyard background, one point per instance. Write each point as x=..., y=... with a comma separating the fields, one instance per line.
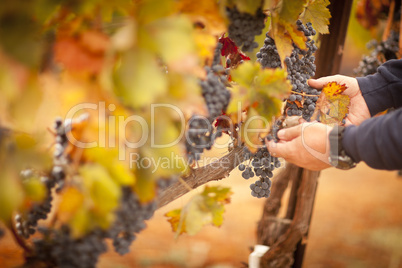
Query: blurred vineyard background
x=357, y=218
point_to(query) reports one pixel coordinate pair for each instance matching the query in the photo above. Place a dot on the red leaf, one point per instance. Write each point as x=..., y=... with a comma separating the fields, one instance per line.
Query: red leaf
x=230, y=50
x=229, y=46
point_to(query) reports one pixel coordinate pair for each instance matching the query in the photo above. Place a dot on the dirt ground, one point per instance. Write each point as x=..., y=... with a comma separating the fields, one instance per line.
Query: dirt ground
x=357, y=222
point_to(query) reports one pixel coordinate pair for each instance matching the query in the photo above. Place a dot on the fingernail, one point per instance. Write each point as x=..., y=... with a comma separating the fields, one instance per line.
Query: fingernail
x=281, y=134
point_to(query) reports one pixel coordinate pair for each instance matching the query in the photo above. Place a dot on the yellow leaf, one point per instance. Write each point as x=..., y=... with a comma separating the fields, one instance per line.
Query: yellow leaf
x=174, y=220
x=273, y=83
x=244, y=74
x=332, y=106
x=140, y=80
x=172, y=38
x=285, y=34
x=108, y=158
x=260, y=88
x=145, y=187
x=333, y=88
x=24, y=141
x=196, y=215
x=205, y=12
x=248, y=6
x=11, y=196
x=204, y=208
x=151, y=10
x=164, y=147
x=291, y=9
x=205, y=44
x=71, y=201
x=268, y=107
x=255, y=127
x=217, y=194
x=238, y=103
x=81, y=222
x=318, y=14
x=270, y=4
x=297, y=36
x=34, y=189
x=104, y=192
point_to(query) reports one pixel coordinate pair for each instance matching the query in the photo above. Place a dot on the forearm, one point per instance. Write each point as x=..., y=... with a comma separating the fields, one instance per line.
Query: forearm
x=377, y=141
x=383, y=90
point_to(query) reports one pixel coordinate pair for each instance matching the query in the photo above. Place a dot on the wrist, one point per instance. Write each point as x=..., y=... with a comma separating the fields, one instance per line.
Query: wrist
x=337, y=156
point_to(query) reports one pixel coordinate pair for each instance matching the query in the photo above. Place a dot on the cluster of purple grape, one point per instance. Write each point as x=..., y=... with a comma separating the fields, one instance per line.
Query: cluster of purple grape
x=381, y=52
x=300, y=66
x=261, y=165
x=58, y=248
x=201, y=134
x=244, y=27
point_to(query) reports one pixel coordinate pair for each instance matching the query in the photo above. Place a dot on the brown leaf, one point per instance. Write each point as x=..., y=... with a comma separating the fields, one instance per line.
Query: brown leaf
x=84, y=53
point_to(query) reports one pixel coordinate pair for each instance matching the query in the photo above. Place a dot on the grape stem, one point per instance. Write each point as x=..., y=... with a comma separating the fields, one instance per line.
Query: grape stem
x=20, y=241
x=303, y=94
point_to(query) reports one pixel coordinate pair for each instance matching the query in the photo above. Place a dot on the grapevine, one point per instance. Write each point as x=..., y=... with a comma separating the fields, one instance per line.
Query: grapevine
x=381, y=52
x=118, y=60
x=301, y=102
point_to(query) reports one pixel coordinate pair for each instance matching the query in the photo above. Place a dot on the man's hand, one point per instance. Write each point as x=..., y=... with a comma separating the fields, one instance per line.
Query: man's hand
x=305, y=145
x=358, y=110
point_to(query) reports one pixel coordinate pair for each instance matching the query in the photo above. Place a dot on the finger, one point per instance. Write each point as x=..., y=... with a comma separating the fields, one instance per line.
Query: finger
x=280, y=149
x=321, y=82
x=347, y=122
x=301, y=120
x=287, y=134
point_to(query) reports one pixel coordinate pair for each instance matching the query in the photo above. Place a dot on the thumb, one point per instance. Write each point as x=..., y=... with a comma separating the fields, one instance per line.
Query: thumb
x=287, y=134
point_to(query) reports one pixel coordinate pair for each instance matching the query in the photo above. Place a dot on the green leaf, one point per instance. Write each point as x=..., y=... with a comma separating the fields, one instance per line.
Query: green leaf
x=259, y=91
x=145, y=186
x=140, y=80
x=271, y=4
x=202, y=209
x=34, y=189
x=318, y=14
x=172, y=37
x=273, y=83
x=291, y=9
x=71, y=200
x=244, y=74
x=93, y=204
x=103, y=190
x=11, y=194
x=108, y=158
x=259, y=88
x=248, y=6
x=152, y=10
x=20, y=37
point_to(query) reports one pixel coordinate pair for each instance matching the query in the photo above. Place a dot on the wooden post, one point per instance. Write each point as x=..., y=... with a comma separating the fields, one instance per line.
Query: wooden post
x=329, y=55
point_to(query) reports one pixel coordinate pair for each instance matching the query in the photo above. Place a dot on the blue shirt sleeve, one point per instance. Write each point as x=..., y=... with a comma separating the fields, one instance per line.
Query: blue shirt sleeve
x=383, y=89
x=377, y=141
